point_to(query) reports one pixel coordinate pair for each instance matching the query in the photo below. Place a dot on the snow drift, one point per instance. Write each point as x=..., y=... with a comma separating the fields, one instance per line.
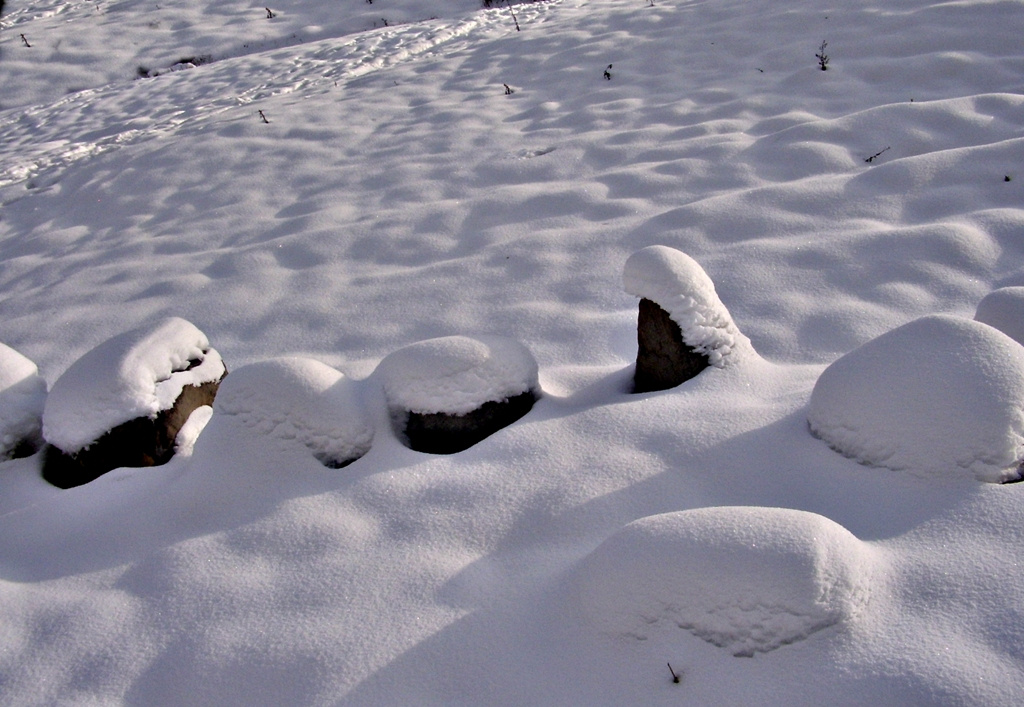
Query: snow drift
x=746, y=579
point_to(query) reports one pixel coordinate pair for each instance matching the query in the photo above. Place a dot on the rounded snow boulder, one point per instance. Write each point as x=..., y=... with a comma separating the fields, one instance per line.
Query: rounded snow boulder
x=122, y=403
x=747, y=579
x=299, y=401
x=682, y=327
x=22, y=396
x=1004, y=310
x=449, y=393
x=940, y=395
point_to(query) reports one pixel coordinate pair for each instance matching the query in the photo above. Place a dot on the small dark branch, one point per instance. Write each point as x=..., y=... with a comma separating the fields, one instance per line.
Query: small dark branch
x=513, y=15
x=25, y=41
x=676, y=677
x=871, y=159
x=508, y=89
x=608, y=73
x=270, y=13
x=822, y=57
x=263, y=117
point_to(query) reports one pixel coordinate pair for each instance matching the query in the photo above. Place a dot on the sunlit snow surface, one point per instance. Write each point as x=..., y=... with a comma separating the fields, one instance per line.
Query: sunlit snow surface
x=325, y=188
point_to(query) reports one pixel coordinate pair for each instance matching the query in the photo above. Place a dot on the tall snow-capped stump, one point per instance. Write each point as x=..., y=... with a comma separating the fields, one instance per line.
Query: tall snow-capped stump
x=682, y=327
x=940, y=396
x=447, y=394
x=123, y=403
x=22, y=396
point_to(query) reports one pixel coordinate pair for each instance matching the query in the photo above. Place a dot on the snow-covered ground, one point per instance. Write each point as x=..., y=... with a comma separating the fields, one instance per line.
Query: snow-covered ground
x=317, y=190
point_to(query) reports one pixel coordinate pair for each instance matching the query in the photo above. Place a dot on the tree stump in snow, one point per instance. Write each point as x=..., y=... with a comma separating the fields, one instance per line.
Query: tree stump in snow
x=447, y=394
x=123, y=403
x=663, y=360
x=143, y=441
x=446, y=433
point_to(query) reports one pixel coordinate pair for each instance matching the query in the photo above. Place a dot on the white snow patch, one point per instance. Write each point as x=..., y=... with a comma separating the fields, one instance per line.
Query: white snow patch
x=679, y=285
x=136, y=374
x=22, y=397
x=939, y=395
x=747, y=579
x=299, y=399
x=456, y=374
x=1004, y=310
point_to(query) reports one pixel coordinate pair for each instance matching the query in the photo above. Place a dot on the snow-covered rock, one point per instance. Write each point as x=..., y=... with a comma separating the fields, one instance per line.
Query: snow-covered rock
x=457, y=374
x=747, y=579
x=447, y=394
x=939, y=395
x=22, y=396
x=1004, y=310
x=299, y=400
x=678, y=284
x=136, y=374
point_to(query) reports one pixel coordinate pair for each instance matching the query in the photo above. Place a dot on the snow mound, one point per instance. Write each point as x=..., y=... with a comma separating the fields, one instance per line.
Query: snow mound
x=679, y=285
x=1004, y=310
x=938, y=395
x=747, y=579
x=299, y=399
x=136, y=374
x=22, y=397
x=457, y=374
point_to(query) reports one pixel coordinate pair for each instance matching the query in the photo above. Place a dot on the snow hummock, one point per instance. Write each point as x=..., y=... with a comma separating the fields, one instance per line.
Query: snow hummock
x=1004, y=310
x=456, y=374
x=746, y=579
x=22, y=396
x=940, y=395
x=301, y=400
x=679, y=285
x=136, y=374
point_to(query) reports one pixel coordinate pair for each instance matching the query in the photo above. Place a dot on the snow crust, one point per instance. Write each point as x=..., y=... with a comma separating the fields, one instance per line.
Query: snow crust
x=135, y=374
x=456, y=374
x=299, y=400
x=1004, y=310
x=22, y=397
x=679, y=285
x=746, y=579
x=941, y=395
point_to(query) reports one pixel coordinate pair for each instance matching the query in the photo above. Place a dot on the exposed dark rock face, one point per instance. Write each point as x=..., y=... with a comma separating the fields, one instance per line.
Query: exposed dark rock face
x=663, y=360
x=140, y=442
x=444, y=433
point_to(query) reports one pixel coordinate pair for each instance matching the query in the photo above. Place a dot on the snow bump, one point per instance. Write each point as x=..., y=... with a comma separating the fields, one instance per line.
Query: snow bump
x=747, y=579
x=940, y=395
x=22, y=397
x=300, y=400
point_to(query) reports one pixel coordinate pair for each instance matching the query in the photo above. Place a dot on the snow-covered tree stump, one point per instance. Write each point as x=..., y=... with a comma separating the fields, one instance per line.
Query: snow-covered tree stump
x=447, y=394
x=682, y=327
x=22, y=395
x=123, y=403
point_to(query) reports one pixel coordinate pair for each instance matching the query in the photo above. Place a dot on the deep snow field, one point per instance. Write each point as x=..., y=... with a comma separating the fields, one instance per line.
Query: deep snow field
x=348, y=178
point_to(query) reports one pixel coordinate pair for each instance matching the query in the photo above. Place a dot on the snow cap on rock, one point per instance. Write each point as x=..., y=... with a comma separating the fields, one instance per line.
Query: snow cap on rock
x=678, y=284
x=300, y=400
x=136, y=374
x=457, y=374
x=22, y=396
x=940, y=395
x=747, y=579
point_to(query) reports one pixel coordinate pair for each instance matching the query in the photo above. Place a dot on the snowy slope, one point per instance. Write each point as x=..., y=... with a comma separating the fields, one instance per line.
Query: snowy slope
x=326, y=187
